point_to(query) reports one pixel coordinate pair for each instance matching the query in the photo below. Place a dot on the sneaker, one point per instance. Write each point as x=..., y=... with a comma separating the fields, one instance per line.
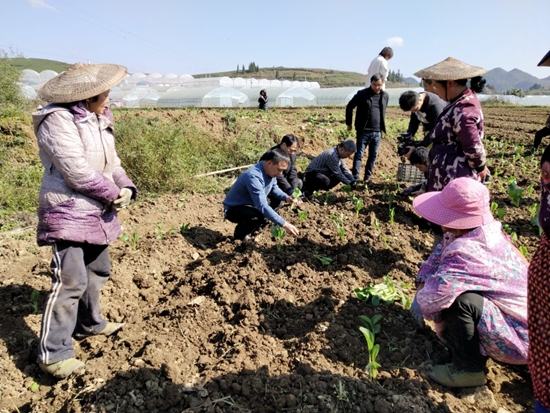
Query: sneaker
x=63, y=368
x=109, y=329
x=448, y=375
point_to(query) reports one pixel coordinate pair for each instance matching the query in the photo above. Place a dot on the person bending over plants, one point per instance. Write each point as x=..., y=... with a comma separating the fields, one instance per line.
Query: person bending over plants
x=328, y=169
x=288, y=181
x=246, y=202
x=473, y=285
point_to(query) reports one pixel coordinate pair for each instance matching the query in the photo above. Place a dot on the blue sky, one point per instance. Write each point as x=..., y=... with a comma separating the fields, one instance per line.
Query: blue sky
x=198, y=36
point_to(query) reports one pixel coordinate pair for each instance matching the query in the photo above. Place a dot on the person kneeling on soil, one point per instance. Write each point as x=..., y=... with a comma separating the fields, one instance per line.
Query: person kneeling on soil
x=328, y=169
x=288, y=181
x=419, y=159
x=473, y=285
x=246, y=202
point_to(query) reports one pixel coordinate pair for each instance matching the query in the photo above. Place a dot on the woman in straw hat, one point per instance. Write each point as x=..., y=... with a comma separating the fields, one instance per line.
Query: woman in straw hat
x=83, y=187
x=473, y=286
x=539, y=292
x=457, y=136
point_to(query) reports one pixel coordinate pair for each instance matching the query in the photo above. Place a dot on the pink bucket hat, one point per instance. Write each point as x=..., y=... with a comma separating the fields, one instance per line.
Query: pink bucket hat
x=462, y=204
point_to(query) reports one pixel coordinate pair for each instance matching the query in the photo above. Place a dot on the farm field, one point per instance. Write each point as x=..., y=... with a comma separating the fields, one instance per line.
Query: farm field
x=215, y=327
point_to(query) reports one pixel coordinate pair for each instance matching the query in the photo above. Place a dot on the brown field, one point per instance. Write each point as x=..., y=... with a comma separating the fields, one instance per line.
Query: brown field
x=212, y=327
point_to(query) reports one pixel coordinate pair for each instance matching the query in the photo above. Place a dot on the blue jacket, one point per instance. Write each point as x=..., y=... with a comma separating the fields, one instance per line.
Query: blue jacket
x=252, y=188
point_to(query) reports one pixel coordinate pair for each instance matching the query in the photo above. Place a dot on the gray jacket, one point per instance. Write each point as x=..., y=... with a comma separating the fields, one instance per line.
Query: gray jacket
x=82, y=177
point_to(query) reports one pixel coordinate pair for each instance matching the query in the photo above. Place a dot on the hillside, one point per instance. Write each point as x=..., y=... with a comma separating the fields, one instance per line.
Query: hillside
x=500, y=80
x=39, y=65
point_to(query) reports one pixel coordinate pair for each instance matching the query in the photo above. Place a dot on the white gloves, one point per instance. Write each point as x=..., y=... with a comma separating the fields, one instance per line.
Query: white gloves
x=124, y=198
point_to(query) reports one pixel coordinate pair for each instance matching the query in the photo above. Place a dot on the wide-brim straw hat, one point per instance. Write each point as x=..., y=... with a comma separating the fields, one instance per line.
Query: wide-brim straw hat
x=81, y=81
x=545, y=60
x=462, y=204
x=450, y=69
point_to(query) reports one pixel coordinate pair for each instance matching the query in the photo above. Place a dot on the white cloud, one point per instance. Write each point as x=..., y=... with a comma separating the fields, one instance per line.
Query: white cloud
x=394, y=42
x=40, y=4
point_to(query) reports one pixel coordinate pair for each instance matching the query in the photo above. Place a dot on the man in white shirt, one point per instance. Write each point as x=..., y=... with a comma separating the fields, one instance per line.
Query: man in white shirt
x=380, y=65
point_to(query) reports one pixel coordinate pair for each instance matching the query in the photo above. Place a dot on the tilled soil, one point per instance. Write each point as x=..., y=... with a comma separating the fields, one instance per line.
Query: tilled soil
x=213, y=326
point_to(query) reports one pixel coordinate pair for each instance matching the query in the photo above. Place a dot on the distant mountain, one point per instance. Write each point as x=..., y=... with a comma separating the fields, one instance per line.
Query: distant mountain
x=500, y=80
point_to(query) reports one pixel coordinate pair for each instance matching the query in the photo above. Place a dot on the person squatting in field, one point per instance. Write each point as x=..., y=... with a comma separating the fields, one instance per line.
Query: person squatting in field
x=83, y=188
x=288, y=181
x=473, y=285
x=419, y=158
x=246, y=202
x=328, y=169
x=457, y=136
x=370, y=122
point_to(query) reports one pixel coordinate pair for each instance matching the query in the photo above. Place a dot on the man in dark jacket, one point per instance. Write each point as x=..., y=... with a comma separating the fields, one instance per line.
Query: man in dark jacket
x=371, y=104
x=288, y=180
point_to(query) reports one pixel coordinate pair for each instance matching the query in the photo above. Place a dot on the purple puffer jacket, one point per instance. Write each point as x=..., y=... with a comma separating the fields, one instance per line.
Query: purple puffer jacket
x=82, y=177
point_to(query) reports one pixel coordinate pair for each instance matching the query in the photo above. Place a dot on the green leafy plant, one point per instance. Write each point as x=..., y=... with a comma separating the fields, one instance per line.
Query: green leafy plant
x=296, y=194
x=324, y=260
x=132, y=241
x=346, y=189
x=374, y=349
x=161, y=233
x=357, y=205
x=339, y=222
x=514, y=192
x=372, y=323
x=328, y=195
x=392, y=215
x=506, y=228
x=302, y=216
x=388, y=291
x=184, y=228
x=34, y=300
x=384, y=238
x=500, y=213
x=278, y=233
x=523, y=250
x=494, y=208
x=534, y=211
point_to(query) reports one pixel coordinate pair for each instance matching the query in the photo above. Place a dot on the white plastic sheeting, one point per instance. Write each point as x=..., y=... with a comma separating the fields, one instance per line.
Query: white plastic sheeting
x=46, y=75
x=296, y=96
x=141, y=97
x=30, y=77
x=177, y=97
x=27, y=91
x=225, y=97
x=334, y=96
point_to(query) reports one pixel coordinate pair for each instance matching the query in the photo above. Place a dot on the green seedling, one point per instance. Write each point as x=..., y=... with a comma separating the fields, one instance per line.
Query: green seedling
x=278, y=233
x=296, y=194
x=392, y=215
x=34, y=300
x=523, y=250
x=324, y=260
x=494, y=208
x=500, y=213
x=160, y=232
x=357, y=205
x=372, y=323
x=316, y=193
x=374, y=349
x=328, y=195
x=184, y=228
x=506, y=228
x=391, y=197
x=534, y=211
x=388, y=291
x=514, y=191
x=346, y=189
x=132, y=241
x=339, y=222
x=384, y=238
x=302, y=215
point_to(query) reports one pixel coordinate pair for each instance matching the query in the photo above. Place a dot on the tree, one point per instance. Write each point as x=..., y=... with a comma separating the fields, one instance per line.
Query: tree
x=276, y=74
x=237, y=69
x=10, y=93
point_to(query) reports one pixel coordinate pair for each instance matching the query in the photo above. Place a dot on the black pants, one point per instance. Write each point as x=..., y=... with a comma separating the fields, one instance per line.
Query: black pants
x=460, y=332
x=539, y=135
x=247, y=218
x=315, y=180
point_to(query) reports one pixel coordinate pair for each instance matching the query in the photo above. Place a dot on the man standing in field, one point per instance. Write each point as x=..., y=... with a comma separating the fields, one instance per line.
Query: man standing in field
x=371, y=104
x=246, y=202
